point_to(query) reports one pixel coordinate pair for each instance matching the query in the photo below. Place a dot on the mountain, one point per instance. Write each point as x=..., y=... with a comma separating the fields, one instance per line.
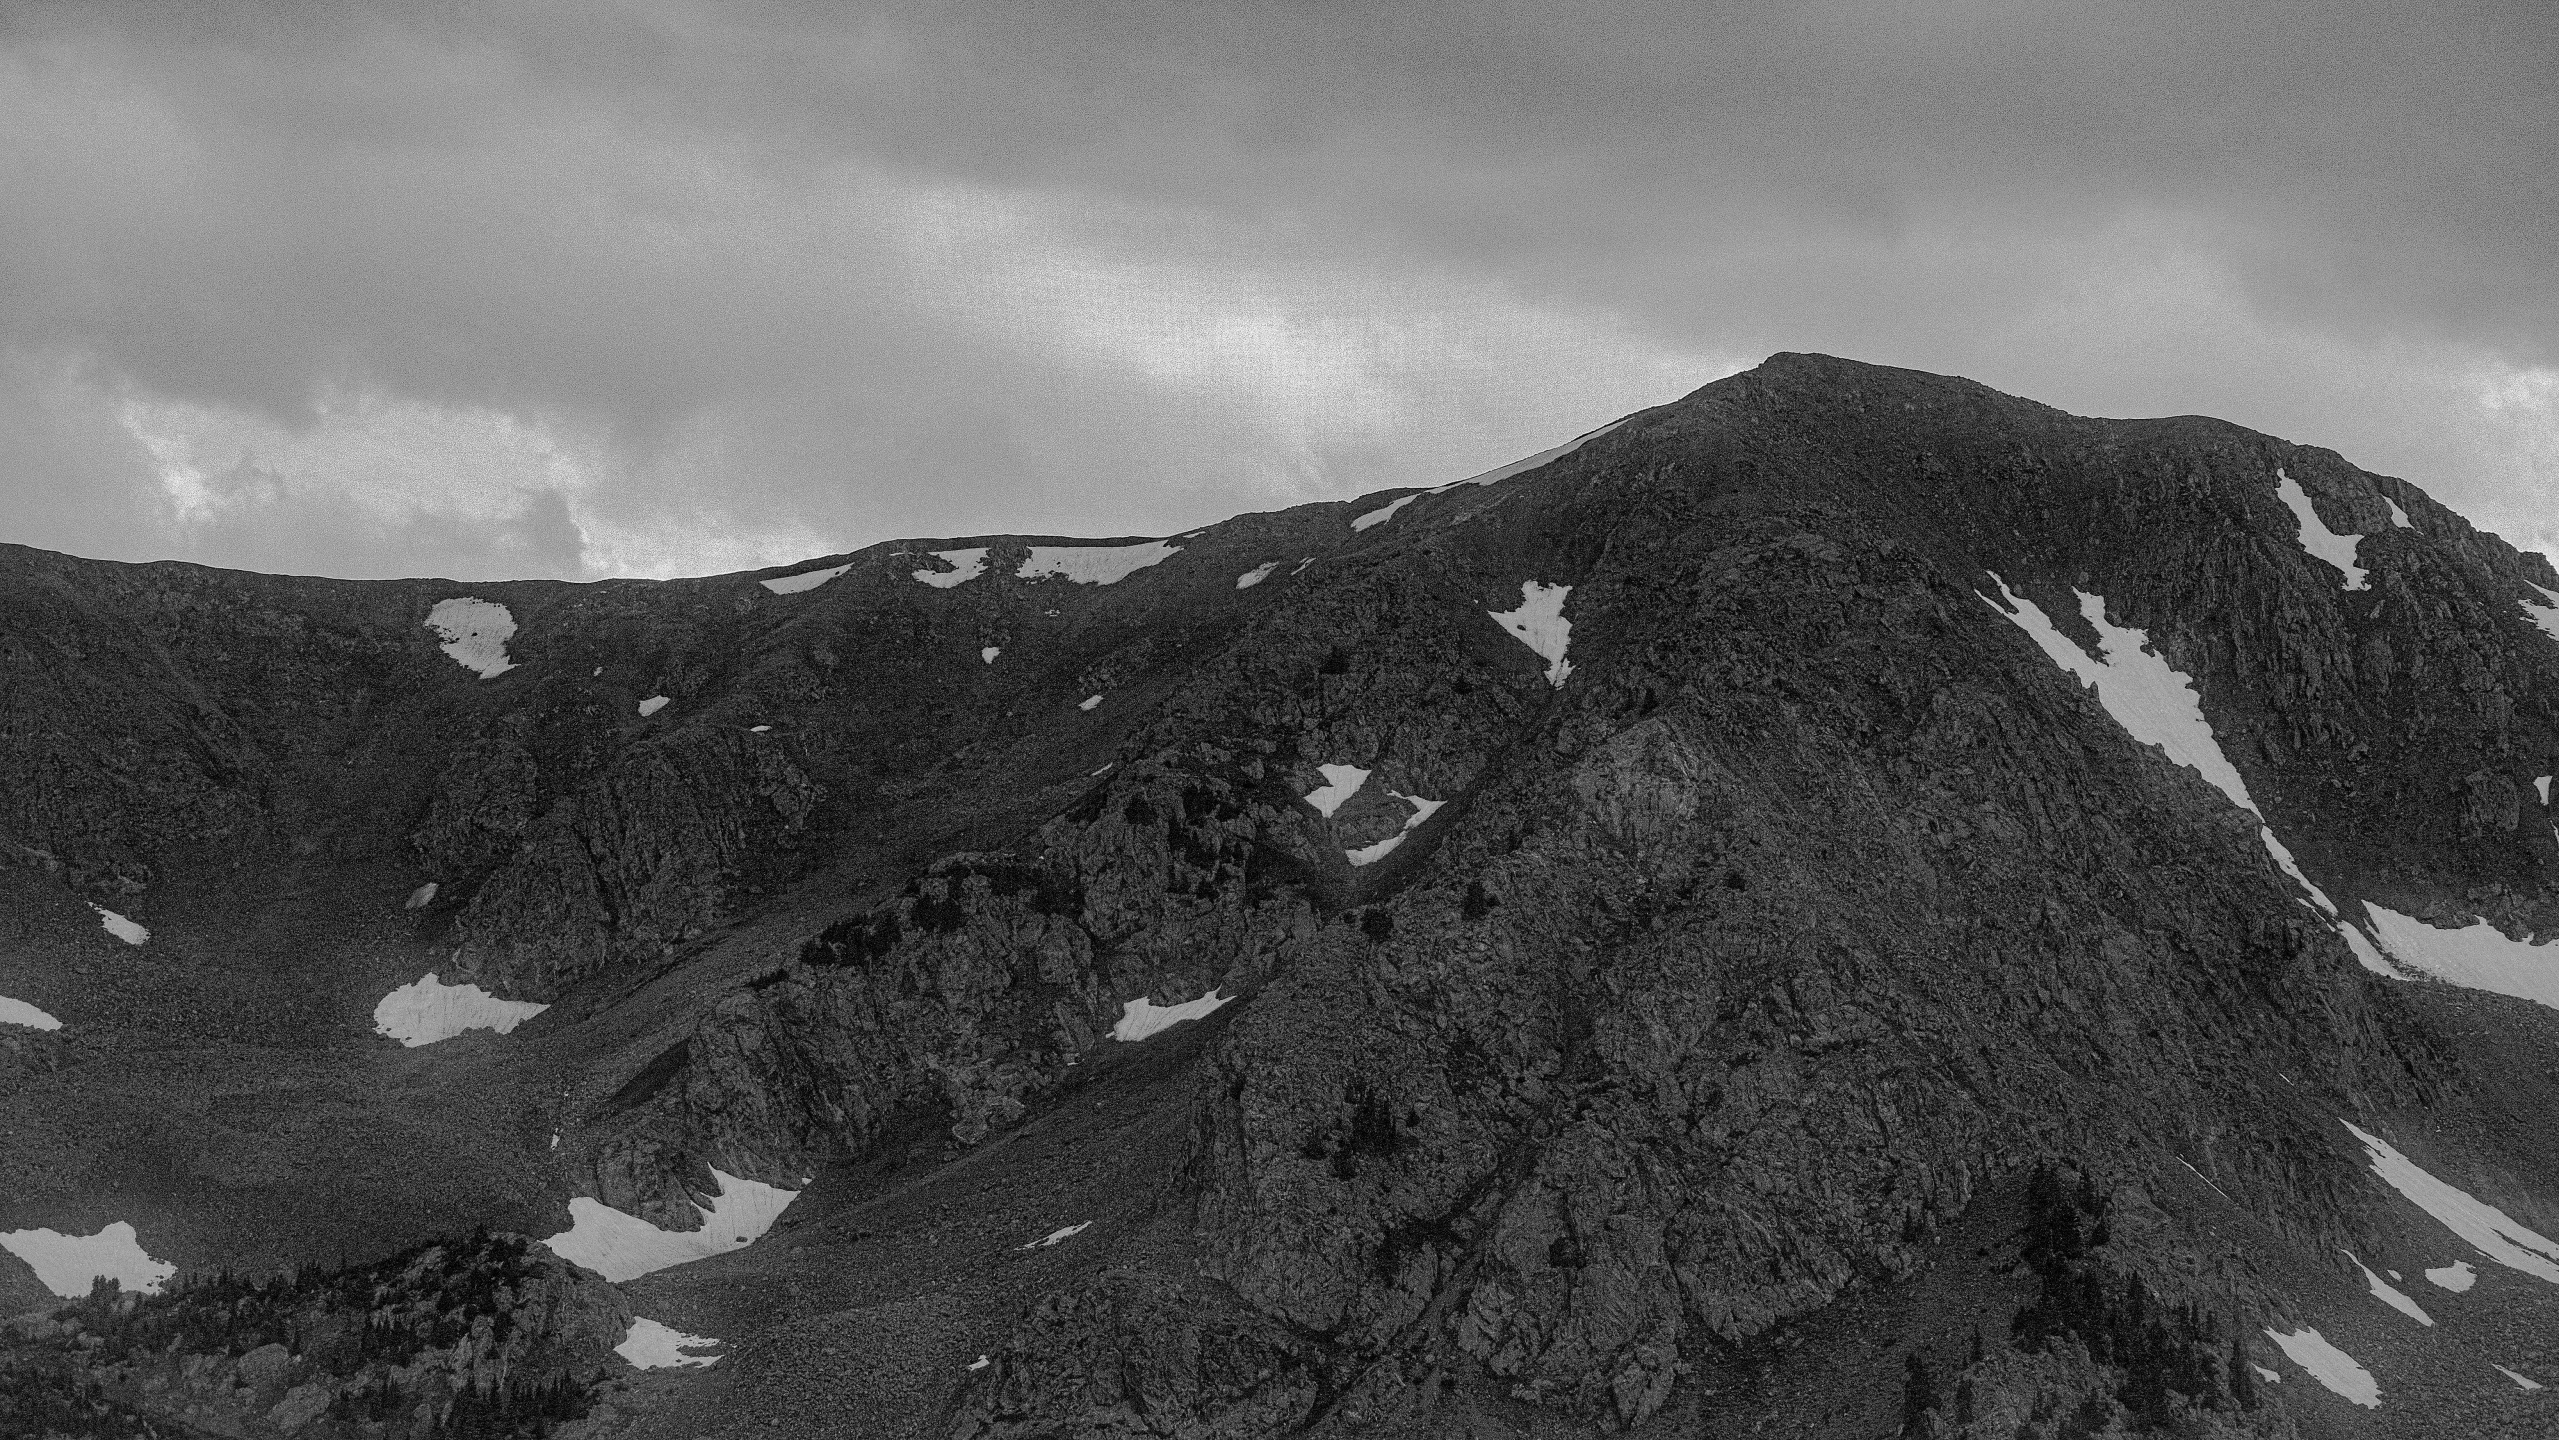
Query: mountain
x=1848, y=904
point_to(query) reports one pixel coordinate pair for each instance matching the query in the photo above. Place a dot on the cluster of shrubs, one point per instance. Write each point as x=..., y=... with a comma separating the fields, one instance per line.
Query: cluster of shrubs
x=359, y=1322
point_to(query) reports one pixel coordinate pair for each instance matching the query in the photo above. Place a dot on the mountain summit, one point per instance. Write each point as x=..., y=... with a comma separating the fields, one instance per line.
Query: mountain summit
x=1847, y=904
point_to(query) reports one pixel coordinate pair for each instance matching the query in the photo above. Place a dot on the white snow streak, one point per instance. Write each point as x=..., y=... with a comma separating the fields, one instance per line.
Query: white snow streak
x=2490, y=1230
x=2321, y=542
x=427, y=1010
x=2521, y=1382
x=2269, y=1376
x=2398, y=516
x=1540, y=625
x=1256, y=575
x=652, y=705
x=2477, y=956
x=1089, y=702
x=980, y=1363
x=67, y=1263
x=1341, y=782
x=1422, y=810
x=805, y=580
x=1384, y=514
x=989, y=653
x=1302, y=564
x=2330, y=1366
x=623, y=1247
x=2456, y=1277
x=649, y=1345
x=966, y=565
x=2388, y=1294
x=1500, y=473
x=1055, y=1236
x=1095, y=564
x=1142, y=1017
x=421, y=897
x=19, y=1012
x=118, y=926
x=2544, y=615
x=475, y=634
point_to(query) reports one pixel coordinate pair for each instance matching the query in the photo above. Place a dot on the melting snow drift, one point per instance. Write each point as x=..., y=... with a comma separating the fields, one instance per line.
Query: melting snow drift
x=2490, y=1230
x=1385, y=513
x=2388, y=1294
x=121, y=928
x=2321, y=542
x=1095, y=564
x=623, y=1247
x=966, y=565
x=1540, y=625
x=652, y=705
x=1256, y=575
x=67, y=1263
x=2521, y=1382
x=2330, y=1366
x=425, y=1011
x=19, y=1012
x=652, y=1346
x=1054, y=1236
x=1422, y=810
x=2455, y=1277
x=805, y=580
x=1500, y=473
x=1341, y=782
x=1142, y=1017
x=2477, y=956
x=2544, y=615
x=475, y=634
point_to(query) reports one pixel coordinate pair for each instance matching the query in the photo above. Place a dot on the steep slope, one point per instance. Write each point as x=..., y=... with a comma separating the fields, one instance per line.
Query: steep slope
x=1686, y=949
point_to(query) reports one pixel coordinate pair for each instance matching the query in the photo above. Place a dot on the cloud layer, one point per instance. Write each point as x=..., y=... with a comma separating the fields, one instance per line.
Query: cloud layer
x=649, y=289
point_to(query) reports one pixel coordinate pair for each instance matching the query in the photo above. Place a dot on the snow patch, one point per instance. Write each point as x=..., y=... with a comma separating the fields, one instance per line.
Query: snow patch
x=966, y=565
x=2456, y=1277
x=1302, y=564
x=19, y=1012
x=2330, y=1366
x=118, y=926
x=1256, y=575
x=2269, y=1376
x=421, y=897
x=475, y=634
x=1095, y=564
x=2398, y=516
x=427, y=1010
x=652, y=705
x=1381, y=516
x=2522, y=1382
x=649, y=1345
x=67, y=1263
x=2545, y=615
x=1422, y=810
x=2543, y=785
x=623, y=1247
x=757, y=729
x=2387, y=1294
x=987, y=653
x=2490, y=1230
x=1540, y=625
x=2321, y=542
x=980, y=1363
x=1500, y=473
x=1088, y=702
x=1142, y=1017
x=2477, y=956
x=1341, y=782
x=805, y=580
x=1056, y=1236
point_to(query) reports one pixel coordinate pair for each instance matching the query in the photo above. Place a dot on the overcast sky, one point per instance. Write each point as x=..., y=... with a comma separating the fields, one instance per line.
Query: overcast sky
x=577, y=289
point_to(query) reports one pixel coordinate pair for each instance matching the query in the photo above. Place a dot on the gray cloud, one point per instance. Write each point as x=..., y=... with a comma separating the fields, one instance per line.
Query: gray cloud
x=681, y=285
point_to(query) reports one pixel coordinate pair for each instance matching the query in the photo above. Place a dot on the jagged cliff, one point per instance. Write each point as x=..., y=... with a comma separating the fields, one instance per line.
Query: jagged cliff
x=1735, y=905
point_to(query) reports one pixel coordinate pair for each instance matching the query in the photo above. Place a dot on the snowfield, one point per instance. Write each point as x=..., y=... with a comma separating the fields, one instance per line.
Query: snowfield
x=1500, y=473
x=2383, y=1291
x=1382, y=515
x=1256, y=575
x=2330, y=1366
x=67, y=1263
x=1142, y=1017
x=2398, y=516
x=806, y=580
x=2317, y=539
x=649, y=1345
x=2477, y=956
x=1540, y=625
x=19, y=1012
x=475, y=634
x=966, y=565
x=2456, y=1277
x=623, y=1247
x=118, y=926
x=427, y=1010
x=2489, y=1230
x=1341, y=782
x=1095, y=564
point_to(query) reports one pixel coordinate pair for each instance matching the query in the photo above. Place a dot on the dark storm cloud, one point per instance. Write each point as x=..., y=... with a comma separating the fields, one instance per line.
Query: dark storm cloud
x=848, y=273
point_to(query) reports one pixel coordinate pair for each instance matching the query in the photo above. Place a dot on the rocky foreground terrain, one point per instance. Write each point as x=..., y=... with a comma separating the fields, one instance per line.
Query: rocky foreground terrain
x=1663, y=941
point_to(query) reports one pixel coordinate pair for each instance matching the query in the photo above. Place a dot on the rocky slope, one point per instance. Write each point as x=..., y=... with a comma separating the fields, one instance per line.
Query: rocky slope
x=1670, y=904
